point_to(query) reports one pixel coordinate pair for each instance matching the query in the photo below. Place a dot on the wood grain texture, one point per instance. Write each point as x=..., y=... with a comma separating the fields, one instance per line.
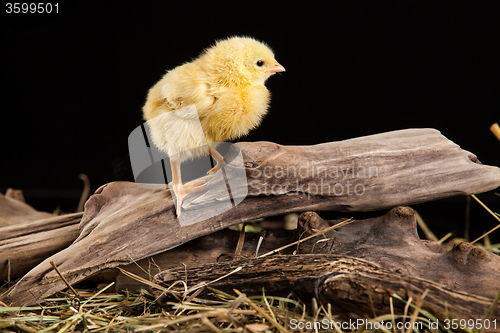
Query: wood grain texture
x=24, y=246
x=351, y=285
x=395, y=168
x=350, y=293
x=392, y=242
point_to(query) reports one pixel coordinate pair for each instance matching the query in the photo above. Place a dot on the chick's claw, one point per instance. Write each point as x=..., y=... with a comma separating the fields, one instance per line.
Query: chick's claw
x=218, y=160
x=214, y=169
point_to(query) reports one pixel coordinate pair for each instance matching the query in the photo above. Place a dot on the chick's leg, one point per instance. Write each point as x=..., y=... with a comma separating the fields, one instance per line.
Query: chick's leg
x=182, y=190
x=217, y=157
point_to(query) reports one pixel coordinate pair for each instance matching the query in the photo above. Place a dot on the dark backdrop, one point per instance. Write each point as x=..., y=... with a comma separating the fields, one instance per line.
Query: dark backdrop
x=75, y=82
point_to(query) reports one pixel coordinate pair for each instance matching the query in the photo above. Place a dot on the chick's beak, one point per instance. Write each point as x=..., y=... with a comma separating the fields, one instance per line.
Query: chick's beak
x=276, y=68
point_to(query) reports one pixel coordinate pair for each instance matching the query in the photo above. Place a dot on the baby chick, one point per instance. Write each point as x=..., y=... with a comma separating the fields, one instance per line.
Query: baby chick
x=226, y=84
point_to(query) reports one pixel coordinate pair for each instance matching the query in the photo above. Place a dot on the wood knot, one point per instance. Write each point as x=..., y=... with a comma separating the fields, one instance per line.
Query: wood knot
x=471, y=250
x=478, y=253
x=462, y=247
x=404, y=212
x=311, y=222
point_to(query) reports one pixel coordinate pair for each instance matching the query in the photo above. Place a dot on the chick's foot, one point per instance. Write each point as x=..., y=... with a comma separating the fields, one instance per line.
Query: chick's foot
x=195, y=183
x=181, y=191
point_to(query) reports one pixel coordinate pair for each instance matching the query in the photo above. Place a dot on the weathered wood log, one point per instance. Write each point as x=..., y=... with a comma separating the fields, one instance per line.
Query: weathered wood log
x=28, y=236
x=24, y=246
x=394, y=261
x=350, y=285
x=392, y=242
x=15, y=212
x=358, y=291
x=124, y=222
x=363, y=174
x=216, y=247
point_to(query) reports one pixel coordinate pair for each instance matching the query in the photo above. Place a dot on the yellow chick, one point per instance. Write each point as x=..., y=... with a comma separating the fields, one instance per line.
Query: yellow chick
x=226, y=84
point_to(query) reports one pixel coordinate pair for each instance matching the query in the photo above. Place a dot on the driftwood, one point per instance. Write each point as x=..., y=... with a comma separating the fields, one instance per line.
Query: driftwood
x=13, y=211
x=376, y=257
x=124, y=222
x=392, y=242
x=216, y=247
x=350, y=285
x=25, y=246
x=27, y=236
x=367, y=173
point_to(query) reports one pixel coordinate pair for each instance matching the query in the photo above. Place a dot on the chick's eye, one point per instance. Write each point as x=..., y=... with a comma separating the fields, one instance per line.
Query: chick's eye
x=260, y=63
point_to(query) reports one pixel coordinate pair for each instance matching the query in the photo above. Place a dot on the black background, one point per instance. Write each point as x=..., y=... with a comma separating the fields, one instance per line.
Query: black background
x=75, y=82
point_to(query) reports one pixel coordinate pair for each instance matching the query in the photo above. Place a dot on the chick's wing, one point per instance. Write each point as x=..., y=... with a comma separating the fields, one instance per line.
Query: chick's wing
x=187, y=85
